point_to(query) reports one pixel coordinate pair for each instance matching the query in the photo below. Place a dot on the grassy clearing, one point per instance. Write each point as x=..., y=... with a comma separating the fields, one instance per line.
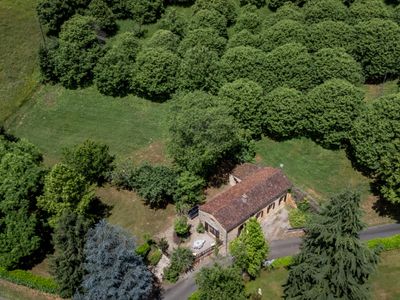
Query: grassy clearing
x=18, y=292
x=129, y=212
x=58, y=118
x=373, y=91
x=20, y=37
x=384, y=282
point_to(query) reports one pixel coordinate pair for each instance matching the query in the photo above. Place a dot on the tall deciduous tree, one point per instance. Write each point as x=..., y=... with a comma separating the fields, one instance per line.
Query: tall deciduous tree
x=331, y=109
x=199, y=70
x=245, y=100
x=113, y=72
x=114, y=270
x=21, y=181
x=322, y=10
x=389, y=174
x=227, y=8
x=365, y=10
x=204, y=136
x=206, y=37
x=103, y=15
x=248, y=20
x=90, y=159
x=218, y=283
x=209, y=19
x=284, y=113
x=376, y=48
x=64, y=189
x=67, y=263
x=375, y=131
x=250, y=248
x=78, y=52
x=146, y=11
x=333, y=262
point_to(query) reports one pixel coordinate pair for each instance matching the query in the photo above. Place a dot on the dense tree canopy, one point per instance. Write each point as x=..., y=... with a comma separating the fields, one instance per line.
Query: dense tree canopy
x=120, y=8
x=244, y=62
x=113, y=269
x=244, y=38
x=284, y=113
x=103, y=15
x=365, y=10
x=288, y=11
x=283, y=32
x=173, y=21
x=64, y=189
x=199, y=70
x=388, y=178
x=248, y=20
x=227, y=8
x=245, y=99
x=164, y=39
x=90, y=159
x=218, y=283
x=113, y=72
x=330, y=34
x=323, y=10
x=257, y=3
x=146, y=11
x=53, y=13
x=289, y=65
x=155, y=73
x=250, y=248
x=207, y=37
x=204, y=135
x=67, y=263
x=189, y=190
x=78, y=52
x=375, y=131
x=21, y=180
x=209, y=19
x=376, y=48
x=331, y=109
x=333, y=262
x=332, y=63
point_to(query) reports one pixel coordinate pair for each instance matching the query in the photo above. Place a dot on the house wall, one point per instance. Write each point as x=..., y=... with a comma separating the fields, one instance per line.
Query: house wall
x=205, y=217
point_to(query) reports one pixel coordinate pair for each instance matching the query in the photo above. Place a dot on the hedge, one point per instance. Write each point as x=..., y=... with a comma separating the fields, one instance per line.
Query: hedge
x=386, y=244
x=30, y=280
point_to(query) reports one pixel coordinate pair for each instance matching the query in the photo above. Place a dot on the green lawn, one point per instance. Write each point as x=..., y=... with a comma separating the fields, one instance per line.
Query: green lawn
x=20, y=37
x=58, y=118
x=129, y=212
x=384, y=282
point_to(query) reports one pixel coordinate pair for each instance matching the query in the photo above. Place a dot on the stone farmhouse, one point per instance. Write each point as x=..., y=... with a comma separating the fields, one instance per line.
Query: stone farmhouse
x=255, y=192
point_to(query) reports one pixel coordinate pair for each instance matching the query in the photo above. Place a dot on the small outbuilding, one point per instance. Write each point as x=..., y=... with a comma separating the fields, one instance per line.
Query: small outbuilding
x=255, y=192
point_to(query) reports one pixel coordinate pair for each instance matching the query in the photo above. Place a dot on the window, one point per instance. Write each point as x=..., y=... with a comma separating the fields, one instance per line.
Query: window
x=211, y=230
x=260, y=214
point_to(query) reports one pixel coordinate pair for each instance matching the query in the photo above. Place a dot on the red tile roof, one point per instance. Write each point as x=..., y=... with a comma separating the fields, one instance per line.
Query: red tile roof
x=235, y=205
x=244, y=170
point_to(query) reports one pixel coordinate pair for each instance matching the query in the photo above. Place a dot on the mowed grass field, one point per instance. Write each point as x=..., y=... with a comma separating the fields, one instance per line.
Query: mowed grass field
x=384, y=283
x=19, y=44
x=57, y=118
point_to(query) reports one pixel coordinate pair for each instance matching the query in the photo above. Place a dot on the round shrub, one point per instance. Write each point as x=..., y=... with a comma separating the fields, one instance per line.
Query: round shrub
x=288, y=11
x=244, y=38
x=332, y=108
x=377, y=47
x=227, y=8
x=284, y=113
x=289, y=65
x=113, y=72
x=199, y=70
x=365, y=10
x=375, y=131
x=209, y=19
x=173, y=21
x=243, y=62
x=283, y=32
x=336, y=63
x=248, y=20
x=331, y=34
x=207, y=37
x=120, y=8
x=245, y=100
x=163, y=39
x=155, y=73
x=181, y=226
x=396, y=14
x=146, y=11
x=323, y=10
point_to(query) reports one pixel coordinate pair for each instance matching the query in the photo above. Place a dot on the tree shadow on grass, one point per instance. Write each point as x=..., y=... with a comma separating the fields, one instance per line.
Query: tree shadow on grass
x=99, y=210
x=383, y=207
